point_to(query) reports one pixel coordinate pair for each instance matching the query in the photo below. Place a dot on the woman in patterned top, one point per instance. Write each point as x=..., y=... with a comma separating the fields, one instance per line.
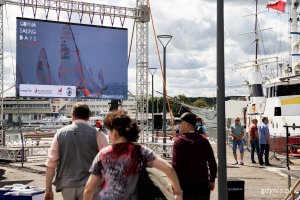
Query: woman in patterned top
x=116, y=167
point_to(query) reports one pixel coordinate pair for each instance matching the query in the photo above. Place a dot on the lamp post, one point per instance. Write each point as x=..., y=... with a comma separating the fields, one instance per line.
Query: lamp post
x=164, y=40
x=152, y=72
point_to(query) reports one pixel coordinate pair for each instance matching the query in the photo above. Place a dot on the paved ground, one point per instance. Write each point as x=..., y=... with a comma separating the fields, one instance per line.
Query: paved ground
x=260, y=182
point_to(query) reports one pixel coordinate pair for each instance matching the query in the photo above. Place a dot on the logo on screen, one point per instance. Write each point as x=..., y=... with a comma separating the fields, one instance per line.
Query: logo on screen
x=69, y=91
x=27, y=31
x=59, y=91
x=26, y=91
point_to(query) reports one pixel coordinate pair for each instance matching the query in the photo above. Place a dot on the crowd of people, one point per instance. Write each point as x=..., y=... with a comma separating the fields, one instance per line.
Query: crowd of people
x=82, y=165
x=259, y=137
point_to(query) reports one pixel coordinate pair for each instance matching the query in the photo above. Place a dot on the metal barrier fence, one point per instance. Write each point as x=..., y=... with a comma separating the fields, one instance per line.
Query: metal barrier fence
x=33, y=146
x=213, y=135
x=166, y=149
x=277, y=145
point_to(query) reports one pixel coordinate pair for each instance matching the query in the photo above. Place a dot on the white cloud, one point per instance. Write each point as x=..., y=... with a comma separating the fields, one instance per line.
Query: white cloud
x=191, y=54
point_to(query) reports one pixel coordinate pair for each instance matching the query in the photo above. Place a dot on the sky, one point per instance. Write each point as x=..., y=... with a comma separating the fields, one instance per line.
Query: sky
x=191, y=54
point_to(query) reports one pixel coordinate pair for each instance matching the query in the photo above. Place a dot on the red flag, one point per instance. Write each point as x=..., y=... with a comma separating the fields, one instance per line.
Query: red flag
x=278, y=5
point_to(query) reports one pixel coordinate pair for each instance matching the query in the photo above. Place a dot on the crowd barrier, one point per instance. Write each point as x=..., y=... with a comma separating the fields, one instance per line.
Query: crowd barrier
x=34, y=143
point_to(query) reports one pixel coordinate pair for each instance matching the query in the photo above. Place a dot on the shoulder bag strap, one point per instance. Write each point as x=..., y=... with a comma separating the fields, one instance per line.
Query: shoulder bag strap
x=140, y=156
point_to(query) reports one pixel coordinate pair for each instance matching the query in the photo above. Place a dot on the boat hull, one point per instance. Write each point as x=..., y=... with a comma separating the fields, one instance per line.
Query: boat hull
x=279, y=145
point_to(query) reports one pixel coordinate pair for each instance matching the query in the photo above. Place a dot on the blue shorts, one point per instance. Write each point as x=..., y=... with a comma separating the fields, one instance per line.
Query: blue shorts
x=236, y=143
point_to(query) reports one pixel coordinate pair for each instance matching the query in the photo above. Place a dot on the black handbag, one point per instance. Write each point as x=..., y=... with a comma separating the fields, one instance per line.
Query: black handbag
x=146, y=188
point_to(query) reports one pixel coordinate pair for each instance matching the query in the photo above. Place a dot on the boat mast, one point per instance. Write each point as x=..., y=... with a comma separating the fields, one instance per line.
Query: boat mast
x=255, y=77
x=256, y=36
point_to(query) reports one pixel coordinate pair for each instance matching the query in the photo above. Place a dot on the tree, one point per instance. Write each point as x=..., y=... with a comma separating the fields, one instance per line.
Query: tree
x=200, y=103
x=158, y=101
x=175, y=107
x=182, y=98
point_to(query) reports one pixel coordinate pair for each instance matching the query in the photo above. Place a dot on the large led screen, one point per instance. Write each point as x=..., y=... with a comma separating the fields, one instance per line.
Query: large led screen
x=57, y=59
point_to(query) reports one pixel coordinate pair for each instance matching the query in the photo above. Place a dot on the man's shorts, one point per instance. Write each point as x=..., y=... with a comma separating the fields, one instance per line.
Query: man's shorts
x=239, y=143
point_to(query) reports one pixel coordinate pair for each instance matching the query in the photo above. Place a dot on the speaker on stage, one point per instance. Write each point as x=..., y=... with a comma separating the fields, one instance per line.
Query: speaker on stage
x=114, y=104
x=157, y=121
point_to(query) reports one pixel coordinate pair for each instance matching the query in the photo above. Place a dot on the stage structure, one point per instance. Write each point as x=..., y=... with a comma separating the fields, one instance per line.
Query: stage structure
x=141, y=15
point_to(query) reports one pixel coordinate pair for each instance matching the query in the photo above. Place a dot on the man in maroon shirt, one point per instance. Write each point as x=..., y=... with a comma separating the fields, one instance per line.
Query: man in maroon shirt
x=253, y=137
x=193, y=160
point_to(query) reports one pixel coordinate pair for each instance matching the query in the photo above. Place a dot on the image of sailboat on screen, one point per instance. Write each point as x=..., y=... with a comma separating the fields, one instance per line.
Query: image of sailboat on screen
x=43, y=71
x=72, y=70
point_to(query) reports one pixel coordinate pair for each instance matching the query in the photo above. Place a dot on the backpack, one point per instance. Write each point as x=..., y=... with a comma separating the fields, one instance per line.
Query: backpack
x=199, y=128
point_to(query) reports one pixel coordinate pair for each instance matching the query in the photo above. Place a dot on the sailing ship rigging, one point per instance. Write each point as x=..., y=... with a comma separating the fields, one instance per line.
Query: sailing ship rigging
x=277, y=98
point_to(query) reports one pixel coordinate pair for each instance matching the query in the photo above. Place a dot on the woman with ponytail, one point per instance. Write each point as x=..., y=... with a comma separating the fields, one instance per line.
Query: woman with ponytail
x=116, y=168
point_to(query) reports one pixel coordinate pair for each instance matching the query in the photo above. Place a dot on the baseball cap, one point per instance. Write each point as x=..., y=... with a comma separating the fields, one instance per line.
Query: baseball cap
x=189, y=117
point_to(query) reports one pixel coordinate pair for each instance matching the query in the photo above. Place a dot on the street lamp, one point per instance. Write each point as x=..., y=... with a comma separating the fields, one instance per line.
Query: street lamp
x=164, y=40
x=152, y=72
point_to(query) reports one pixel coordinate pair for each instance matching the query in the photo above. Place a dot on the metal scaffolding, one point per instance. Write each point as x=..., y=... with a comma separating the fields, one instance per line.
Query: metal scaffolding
x=141, y=14
x=142, y=69
x=81, y=8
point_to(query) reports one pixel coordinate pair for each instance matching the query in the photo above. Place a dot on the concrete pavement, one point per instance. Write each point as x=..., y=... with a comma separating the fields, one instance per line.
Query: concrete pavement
x=260, y=182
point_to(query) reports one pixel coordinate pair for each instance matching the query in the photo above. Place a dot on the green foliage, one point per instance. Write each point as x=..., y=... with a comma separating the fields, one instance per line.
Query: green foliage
x=175, y=105
x=200, y=103
x=158, y=102
x=183, y=98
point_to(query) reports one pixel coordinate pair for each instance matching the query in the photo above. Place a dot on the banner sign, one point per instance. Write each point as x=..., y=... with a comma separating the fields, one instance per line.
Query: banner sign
x=28, y=90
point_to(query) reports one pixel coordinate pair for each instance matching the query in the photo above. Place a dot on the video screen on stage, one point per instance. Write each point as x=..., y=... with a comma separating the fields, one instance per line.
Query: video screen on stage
x=67, y=60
